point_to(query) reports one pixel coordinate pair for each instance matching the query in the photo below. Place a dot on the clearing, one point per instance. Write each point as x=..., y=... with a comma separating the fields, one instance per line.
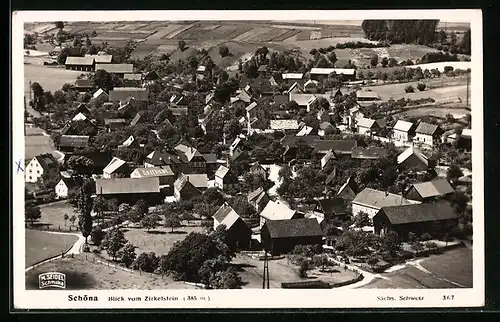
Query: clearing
x=84, y=272
x=51, y=78
x=41, y=245
x=160, y=240
x=53, y=214
x=36, y=143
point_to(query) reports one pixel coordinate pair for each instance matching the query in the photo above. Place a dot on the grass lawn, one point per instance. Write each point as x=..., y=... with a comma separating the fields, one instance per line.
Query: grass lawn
x=83, y=272
x=35, y=144
x=437, y=111
x=159, y=240
x=406, y=278
x=454, y=265
x=50, y=78
x=41, y=245
x=53, y=214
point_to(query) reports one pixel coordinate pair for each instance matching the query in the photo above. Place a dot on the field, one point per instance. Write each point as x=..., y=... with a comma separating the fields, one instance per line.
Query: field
x=159, y=240
x=454, y=265
x=35, y=143
x=439, y=112
x=42, y=245
x=53, y=214
x=51, y=78
x=85, y=272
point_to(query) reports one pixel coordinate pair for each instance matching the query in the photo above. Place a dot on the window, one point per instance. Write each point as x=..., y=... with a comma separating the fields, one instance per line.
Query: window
x=30, y=177
x=38, y=171
x=30, y=170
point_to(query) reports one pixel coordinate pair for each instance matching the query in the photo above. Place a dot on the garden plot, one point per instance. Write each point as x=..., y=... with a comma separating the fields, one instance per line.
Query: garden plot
x=247, y=36
x=268, y=35
x=290, y=33
x=162, y=32
x=177, y=33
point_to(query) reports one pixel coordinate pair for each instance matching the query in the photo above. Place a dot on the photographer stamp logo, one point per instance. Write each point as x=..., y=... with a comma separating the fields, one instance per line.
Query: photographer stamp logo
x=52, y=279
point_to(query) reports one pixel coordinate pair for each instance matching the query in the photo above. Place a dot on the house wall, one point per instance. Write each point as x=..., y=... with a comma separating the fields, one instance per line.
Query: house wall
x=357, y=209
x=412, y=194
x=239, y=235
x=364, y=130
x=286, y=245
x=33, y=171
x=427, y=139
x=61, y=190
x=219, y=182
x=401, y=136
x=151, y=199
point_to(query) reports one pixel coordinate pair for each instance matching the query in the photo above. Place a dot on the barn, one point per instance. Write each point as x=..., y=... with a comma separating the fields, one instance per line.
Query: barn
x=238, y=234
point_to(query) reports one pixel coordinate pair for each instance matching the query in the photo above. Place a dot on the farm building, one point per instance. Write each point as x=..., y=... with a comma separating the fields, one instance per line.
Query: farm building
x=276, y=210
x=413, y=158
x=113, y=124
x=100, y=93
x=130, y=190
x=118, y=69
x=367, y=96
x=115, y=169
x=258, y=198
x=311, y=86
x=369, y=153
x=430, y=190
x=238, y=234
x=346, y=74
x=403, y=131
x=281, y=236
x=43, y=164
x=348, y=190
x=133, y=77
x=428, y=134
x=254, y=110
x=225, y=179
x=417, y=218
x=163, y=157
x=65, y=185
x=164, y=173
x=70, y=143
x=101, y=59
x=184, y=189
x=342, y=148
x=198, y=180
x=368, y=126
x=83, y=85
x=84, y=64
x=283, y=125
x=331, y=207
x=370, y=201
x=121, y=94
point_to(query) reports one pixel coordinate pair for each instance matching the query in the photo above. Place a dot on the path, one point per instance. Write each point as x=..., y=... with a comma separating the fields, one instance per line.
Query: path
x=417, y=265
x=367, y=276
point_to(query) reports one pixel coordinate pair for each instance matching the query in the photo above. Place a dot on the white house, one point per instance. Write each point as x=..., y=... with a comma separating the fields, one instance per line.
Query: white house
x=40, y=165
x=65, y=185
x=115, y=168
x=275, y=210
x=311, y=86
x=403, y=131
x=428, y=134
x=225, y=179
x=370, y=201
x=164, y=173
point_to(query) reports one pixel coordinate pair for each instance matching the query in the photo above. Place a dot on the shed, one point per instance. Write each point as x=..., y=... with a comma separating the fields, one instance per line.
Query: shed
x=281, y=236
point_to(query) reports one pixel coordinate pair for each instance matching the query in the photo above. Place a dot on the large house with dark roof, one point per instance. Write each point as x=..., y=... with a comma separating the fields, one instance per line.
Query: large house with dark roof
x=71, y=143
x=429, y=190
x=184, y=189
x=40, y=165
x=428, y=134
x=84, y=64
x=370, y=201
x=130, y=190
x=164, y=157
x=403, y=131
x=417, y=218
x=164, y=173
x=281, y=236
x=332, y=207
x=225, y=179
x=258, y=199
x=238, y=234
x=413, y=158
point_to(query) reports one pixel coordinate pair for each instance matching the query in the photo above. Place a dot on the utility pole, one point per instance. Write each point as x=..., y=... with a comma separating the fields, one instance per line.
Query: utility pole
x=467, y=101
x=265, y=276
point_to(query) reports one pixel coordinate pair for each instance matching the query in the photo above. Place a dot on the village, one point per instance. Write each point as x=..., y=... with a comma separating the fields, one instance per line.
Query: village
x=281, y=173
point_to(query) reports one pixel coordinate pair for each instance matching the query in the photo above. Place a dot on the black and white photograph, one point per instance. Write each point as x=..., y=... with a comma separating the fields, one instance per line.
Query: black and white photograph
x=209, y=155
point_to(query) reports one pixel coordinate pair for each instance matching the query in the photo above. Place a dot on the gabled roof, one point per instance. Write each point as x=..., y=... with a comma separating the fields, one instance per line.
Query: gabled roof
x=127, y=185
x=311, y=82
x=366, y=122
x=412, y=151
x=186, y=151
x=328, y=71
x=415, y=213
x=275, y=210
x=349, y=183
x=79, y=117
x=129, y=141
x=210, y=157
x=367, y=94
x=181, y=182
x=291, y=140
x=251, y=106
x=114, y=121
x=46, y=161
x=378, y=199
x=341, y=146
x=253, y=195
x=104, y=59
x=162, y=157
x=136, y=119
x=123, y=93
x=114, y=165
x=222, y=171
x=235, y=143
x=257, y=167
x=99, y=92
x=330, y=155
x=226, y=215
x=428, y=129
x=292, y=75
x=283, y=124
x=433, y=188
x=306, y=130
x=154, y=171
x=72, y=182
x=245, y=96
x=83, y=83
x=200, y=181
x=133, y=77
x=84, y=61
x=403, y=126
x=368, y=153
x=336, y=206
x=304, y=227
x=209, y=97
x=74, y=141
x=116, y=68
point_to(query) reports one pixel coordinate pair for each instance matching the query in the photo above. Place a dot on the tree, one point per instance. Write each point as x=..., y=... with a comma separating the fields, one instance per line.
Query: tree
x=92, y=50
x=63, y=54
x=181, y=44
x=391, y=243
x=425, y=237
x=97, y=235
x=429, y=245
x=223, y=51
x=65, y=217
x=421, y=86
x=412, y=237
x=374, y=60
x=150, y=221
x=172, y=220
x=305, y=265
x=243, y=208
x=362, y=220
x=321, y=260
x=228, y=279
x=114, y=241
x=313, y=51
x=32, y=214
x=384, y=62
x=459, y=201
x=59, y=25
x=146, y=262
x=85, y=208
x=453, y=173
x=102, y=79
x=409, y=89
x=332, y=57
x=72, y=219
x=127, y=255
x=465, y=44
x=418, y=247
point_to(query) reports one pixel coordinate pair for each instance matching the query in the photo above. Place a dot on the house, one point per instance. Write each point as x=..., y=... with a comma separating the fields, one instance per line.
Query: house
x=291, y=78
x=210, y=98
x=83, y=85
x=130, y=142
x=115, y=169
x=370, y=201
x=133, y=78
x=367, y=96
x=130, y=190
x=305, y=130
x=255, y=111
x=79, y=117
x=100, y=93
x=83, y=109
x=184, y=189
x=284, y=125
x=348, y=190
x=198, y=180
x=234, y=145
x=193, y=160
x=332, y=207
x=329, y=157
x=256, y=125
x=369, y=153
x=342, y=148
x=281, y=236
x=413, y=158
x=114, y=124
x=238, y=234
x=257, y=169
x=225, y=179
x=178, y=110
x=428, y=134
x=84, y=64
x=275, y=210
x=258, y=199
x=65, y=185
x=295, y=89
x=326, y=128
x=311, y=86
x=346, y=74
x=43, y=164
x=163, y=157
x=136, y=120
x=101, y=59
x=403, y=131
x=367, y=126
x=122, y=94
x=430, y=190
x=417, y=218
x=127, y=109
x=71, y=143
x=149, y=78
x=118, y=69
x=164, y=173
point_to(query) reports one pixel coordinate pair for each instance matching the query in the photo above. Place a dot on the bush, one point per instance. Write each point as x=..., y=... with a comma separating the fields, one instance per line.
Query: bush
x=86, y=248
x=304, y=267
x=223, y=51
x=448, y=69
x=97, y=235
x=409, y=89
x=313, y=51
x=146, y=262
x=421, y=86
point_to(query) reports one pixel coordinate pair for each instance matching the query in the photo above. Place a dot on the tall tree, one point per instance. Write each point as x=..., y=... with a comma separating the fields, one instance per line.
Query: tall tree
x=32, y=214
x=85, y=208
